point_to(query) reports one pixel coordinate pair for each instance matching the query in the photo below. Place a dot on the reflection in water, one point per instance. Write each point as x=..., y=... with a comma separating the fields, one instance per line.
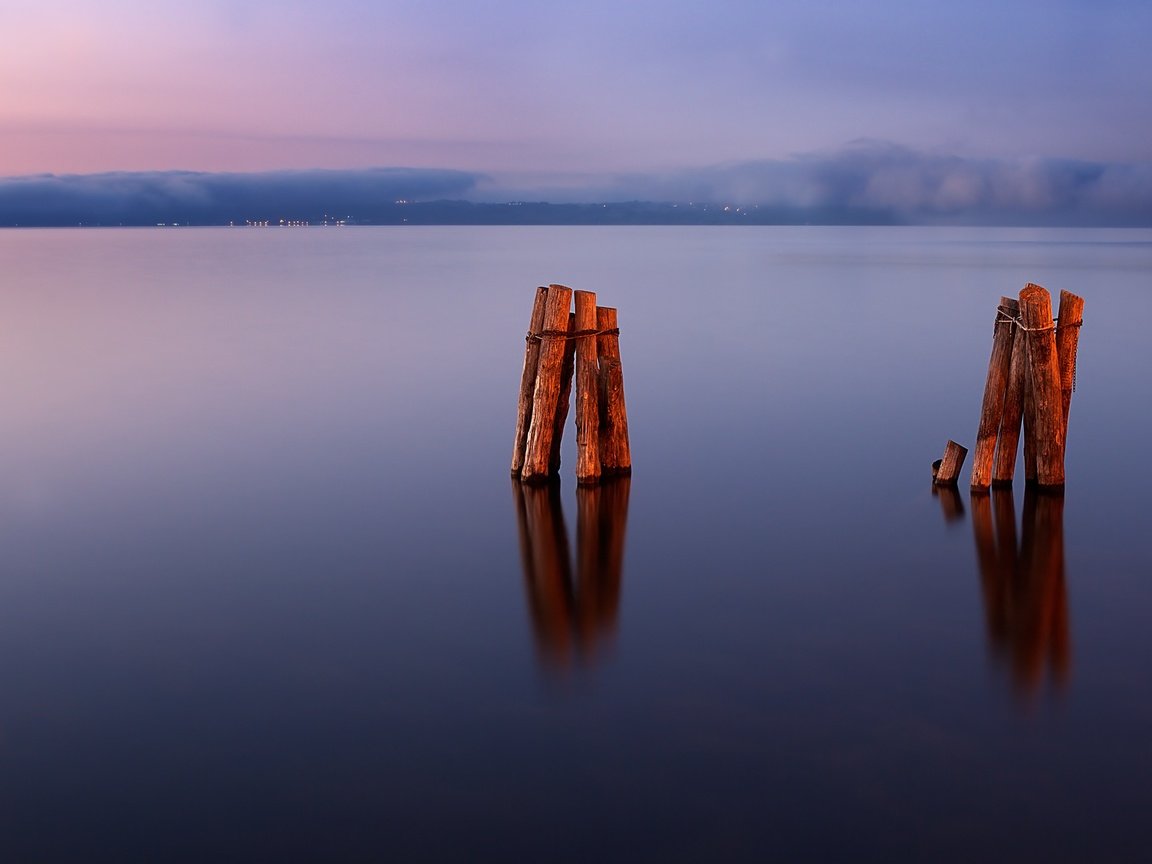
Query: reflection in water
x=950, y=502
x=572, y=617
x=1025, y=599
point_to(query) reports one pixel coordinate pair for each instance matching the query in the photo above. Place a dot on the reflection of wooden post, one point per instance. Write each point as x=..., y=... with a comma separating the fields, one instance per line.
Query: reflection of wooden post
x=1049, y=559
x=1042, y=600
x=950, y=502
x=1047, y=414
x=587, y=391
x=994, y=391
x=528, y=380
x=615, y=453
x=1068, y=321
x=588, y=554
x=1025, y=600
x=613, y=527
x=547, y=567
x=1004, y=466
x=947, y=472
x=565, y=396
x=984, y=536
x=995, y=579
x=572, y=615
x=546, y=396
x=1004, y=512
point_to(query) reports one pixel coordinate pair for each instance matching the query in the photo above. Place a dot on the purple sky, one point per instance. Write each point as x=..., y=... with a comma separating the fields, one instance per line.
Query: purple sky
x=558, y=96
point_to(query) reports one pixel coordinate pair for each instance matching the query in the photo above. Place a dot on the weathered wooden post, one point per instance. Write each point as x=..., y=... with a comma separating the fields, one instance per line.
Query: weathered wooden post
x=565, y=397
x=587, y=390
x=528, y=380
x=1008, y=444
x=1029, y=422
x=615, y=451
x=1068, y=321
x=1047, y=404
x=545, y=398
x=995, y=389
x=946, y=471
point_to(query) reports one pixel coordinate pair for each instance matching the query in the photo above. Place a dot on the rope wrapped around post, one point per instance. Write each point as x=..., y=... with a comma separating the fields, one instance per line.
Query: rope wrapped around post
x=564, y=334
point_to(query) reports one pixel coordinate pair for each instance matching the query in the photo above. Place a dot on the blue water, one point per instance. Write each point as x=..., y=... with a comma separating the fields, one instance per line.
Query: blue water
x=268, y=593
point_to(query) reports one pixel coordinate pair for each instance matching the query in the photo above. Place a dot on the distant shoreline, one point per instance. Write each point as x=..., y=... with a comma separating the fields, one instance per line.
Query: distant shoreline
x=455, y=212
x=526, y=213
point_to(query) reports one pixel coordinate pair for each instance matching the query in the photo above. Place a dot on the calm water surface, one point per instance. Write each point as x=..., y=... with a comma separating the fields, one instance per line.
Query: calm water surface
x=268, y=593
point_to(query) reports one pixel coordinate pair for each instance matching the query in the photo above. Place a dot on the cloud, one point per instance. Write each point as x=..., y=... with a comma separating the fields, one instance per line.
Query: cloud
x=917, y=187
x=146, y=198
x=868, y=183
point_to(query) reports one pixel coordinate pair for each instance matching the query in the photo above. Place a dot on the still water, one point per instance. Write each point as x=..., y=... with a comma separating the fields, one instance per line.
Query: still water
x=268, y=594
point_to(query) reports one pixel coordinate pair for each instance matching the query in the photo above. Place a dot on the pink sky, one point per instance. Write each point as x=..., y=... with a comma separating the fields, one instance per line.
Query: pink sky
x=512, y=86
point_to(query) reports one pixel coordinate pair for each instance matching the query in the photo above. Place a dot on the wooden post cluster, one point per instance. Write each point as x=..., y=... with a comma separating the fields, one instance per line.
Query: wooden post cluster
x=1031, y=375
x=561, y=344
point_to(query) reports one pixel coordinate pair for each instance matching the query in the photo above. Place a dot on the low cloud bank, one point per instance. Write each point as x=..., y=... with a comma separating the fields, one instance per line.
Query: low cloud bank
x=186, y=197
x=915, y=187
x=867, y=183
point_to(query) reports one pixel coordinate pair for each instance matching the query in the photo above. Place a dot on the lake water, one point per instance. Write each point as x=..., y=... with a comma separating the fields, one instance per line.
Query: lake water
x=268, y=593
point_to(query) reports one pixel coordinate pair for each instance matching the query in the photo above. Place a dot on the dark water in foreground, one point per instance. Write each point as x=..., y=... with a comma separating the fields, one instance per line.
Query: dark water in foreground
x=267, y=593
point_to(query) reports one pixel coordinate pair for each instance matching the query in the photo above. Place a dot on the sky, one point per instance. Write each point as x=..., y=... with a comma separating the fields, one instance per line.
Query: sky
x=579, y=101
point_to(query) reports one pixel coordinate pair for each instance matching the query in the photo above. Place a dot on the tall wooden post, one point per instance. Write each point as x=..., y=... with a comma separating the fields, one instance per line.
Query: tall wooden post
x=1008, y=444
x=615, y=451
x=995, y=389
x=528, y=380
x=1029, y=423
x=587, y=391
x=1047, y=413
x=565, y=397
x=545, y=397
x=1068, y=321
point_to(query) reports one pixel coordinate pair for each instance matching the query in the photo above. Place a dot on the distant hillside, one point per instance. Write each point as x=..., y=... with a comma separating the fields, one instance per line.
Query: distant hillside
x=92, y=214
x=614, y=213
